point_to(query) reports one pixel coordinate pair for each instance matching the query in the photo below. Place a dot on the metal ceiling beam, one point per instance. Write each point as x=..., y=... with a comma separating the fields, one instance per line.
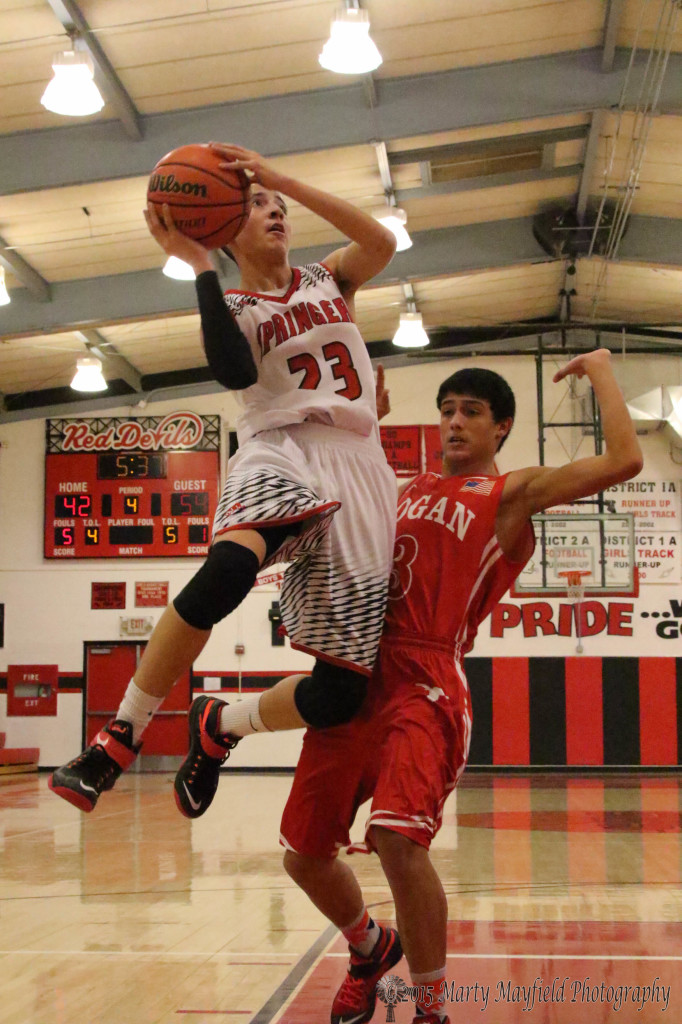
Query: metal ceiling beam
x=403, y=195
x=24, y=272
x=590, y=162
x=114, y=365
x=518, y=142
x=88, y=303
x=614, y=14
x=328, y=118
x=71, y=17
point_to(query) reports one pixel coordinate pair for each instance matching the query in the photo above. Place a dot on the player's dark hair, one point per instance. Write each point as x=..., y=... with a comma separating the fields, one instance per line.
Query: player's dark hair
x=484, y=384
x=228, y=252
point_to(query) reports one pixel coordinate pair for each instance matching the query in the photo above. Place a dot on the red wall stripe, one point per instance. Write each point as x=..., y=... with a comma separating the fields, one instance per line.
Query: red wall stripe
x=584, y=711
x=657, y=711
x=511, y=722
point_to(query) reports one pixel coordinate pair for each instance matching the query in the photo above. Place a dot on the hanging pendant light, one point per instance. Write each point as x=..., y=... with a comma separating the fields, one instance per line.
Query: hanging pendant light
x=178, y=269
x=72, y=91
x=88, y=375
x=350, y=49
x=395, y=219
x=4, y=294
x=411, y=333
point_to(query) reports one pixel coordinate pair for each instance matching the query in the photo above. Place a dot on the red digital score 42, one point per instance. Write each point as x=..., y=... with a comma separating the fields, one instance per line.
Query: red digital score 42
x=131, y=488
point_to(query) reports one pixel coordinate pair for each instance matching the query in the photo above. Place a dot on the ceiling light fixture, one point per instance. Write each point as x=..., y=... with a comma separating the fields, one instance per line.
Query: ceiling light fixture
x=4, y=294
x=349, y=49
x=88, y=375
x=410, y=333
x=72, y=91
x=178, y=269
x=395, y=219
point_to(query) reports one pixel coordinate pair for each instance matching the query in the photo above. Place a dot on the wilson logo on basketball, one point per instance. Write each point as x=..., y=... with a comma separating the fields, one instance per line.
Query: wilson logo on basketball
x=168, y=183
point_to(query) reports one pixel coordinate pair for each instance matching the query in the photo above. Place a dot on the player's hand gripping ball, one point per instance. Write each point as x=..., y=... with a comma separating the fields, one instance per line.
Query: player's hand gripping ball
x=207, y=203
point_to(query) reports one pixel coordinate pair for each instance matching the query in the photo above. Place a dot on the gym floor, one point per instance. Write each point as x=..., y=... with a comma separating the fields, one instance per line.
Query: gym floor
x=565, y=901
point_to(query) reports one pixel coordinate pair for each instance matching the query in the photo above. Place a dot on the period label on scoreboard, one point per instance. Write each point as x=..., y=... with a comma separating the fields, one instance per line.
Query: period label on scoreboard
x=119, y=487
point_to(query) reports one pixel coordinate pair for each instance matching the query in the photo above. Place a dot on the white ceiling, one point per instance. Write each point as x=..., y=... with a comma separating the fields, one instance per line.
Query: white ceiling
x=529, y=102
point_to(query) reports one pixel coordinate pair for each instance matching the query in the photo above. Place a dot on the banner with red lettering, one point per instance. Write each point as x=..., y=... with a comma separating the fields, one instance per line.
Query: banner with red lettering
x=403, y=449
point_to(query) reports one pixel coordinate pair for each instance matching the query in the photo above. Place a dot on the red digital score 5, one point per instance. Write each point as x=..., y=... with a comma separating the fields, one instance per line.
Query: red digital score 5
x=131, y=488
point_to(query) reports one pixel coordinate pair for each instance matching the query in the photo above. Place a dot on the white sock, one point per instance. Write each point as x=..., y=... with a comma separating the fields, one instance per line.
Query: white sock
x=138, y=707
x=243, y=717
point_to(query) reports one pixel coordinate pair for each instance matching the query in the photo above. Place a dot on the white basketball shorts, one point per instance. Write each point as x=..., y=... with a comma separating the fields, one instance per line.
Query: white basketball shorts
x=333, y=596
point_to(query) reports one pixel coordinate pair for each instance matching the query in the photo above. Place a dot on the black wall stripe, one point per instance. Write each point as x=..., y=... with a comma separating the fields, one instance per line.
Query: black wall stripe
x=71, y=683
x=620, y=688
x=479, y=673
x=547, y=710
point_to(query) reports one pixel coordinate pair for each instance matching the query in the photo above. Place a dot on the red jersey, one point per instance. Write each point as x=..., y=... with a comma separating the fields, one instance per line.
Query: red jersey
x=449, y=570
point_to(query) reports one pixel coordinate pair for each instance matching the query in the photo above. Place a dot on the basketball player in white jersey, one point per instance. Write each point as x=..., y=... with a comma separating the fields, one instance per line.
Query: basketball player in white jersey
x=461, y=540
x=309, y=485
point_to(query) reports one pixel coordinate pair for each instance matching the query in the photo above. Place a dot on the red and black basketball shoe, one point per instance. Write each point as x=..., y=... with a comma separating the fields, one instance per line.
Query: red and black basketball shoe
x=95, y=770
x=198, y=775
x=355, y=1001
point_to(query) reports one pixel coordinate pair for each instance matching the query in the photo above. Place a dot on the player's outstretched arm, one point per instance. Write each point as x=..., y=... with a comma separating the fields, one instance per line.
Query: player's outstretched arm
x=541, y=488
x=372, y=245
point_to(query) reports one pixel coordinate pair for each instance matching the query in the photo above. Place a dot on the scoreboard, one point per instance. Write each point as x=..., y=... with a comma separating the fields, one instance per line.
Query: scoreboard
x=131, y=488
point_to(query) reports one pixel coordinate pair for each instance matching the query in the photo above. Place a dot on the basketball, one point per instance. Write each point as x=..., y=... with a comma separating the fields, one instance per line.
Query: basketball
x=207, y=203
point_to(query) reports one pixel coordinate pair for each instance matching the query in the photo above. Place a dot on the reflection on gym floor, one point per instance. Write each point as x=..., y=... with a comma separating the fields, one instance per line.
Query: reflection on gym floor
x=564, y=891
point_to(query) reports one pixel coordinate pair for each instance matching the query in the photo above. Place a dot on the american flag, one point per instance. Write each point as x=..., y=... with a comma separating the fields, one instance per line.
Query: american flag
x=480, y=486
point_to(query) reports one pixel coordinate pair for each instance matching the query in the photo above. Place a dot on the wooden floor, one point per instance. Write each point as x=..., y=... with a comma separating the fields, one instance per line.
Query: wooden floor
x=134, y=915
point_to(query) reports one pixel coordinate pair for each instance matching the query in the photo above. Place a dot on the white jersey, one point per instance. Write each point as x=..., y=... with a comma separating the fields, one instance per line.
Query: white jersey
x=312, y=362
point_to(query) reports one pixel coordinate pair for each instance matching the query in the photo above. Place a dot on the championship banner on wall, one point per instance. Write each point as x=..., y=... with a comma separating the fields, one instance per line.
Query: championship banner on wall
x=655, y=505
x=413, y=449
x=403, y=449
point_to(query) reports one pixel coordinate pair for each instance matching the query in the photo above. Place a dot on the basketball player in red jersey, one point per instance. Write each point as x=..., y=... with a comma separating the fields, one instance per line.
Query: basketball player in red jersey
x=309, y=485
x=462, y=538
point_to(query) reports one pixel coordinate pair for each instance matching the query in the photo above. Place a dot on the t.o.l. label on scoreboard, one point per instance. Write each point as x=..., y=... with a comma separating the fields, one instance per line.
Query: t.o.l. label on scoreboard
x=122, y=487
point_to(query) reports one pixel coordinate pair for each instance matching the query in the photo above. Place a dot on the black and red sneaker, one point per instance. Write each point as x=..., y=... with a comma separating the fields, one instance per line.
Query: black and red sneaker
x=198, y=775
x=355, y=1001
x=95, y=770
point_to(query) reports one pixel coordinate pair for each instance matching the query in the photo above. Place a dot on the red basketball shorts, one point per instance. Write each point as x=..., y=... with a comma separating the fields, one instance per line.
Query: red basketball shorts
x=405, y=751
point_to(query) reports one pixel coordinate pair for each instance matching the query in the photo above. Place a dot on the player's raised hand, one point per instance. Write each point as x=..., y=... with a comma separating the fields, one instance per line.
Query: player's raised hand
x=173, y=242
x=583, y=364
x=383, y=395
x=239, y=158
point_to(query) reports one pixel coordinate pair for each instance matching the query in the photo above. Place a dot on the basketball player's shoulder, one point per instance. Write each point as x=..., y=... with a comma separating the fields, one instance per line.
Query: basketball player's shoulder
x=425, y=483
x=311, y=274
x=237, y=301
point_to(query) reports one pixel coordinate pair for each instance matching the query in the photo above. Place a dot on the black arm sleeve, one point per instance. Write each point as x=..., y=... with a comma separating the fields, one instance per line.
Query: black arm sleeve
x=227, y=351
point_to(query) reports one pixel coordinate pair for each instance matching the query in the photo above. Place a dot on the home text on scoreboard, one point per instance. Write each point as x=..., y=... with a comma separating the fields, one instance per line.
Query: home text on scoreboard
x=120, y=487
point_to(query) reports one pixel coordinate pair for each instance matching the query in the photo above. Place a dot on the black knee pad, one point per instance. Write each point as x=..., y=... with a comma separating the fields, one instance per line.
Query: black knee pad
x=222, y=583
x=331, y=695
